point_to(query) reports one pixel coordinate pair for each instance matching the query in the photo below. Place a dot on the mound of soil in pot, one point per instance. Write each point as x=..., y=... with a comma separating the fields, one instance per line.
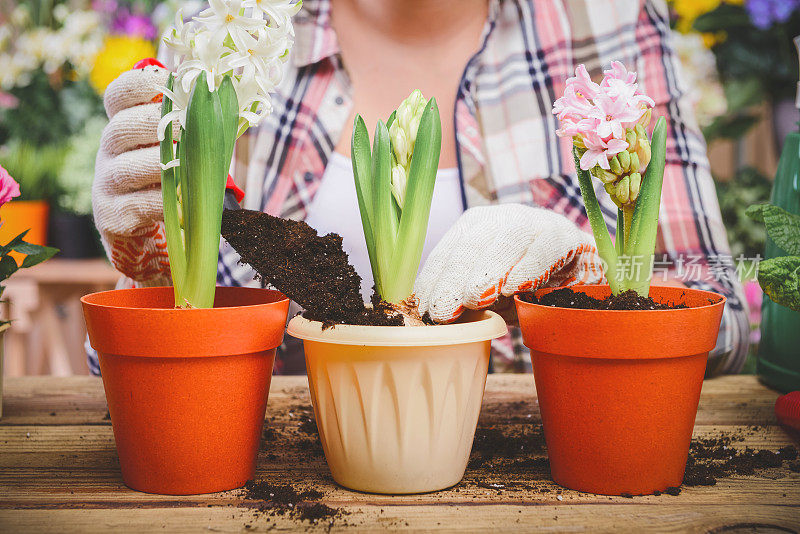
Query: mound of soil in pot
x=311, y=270
x=566, y=298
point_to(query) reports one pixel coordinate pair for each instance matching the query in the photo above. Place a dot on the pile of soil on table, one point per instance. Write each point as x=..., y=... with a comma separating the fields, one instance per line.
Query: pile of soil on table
x=283, y=499
x=714, y=458
x=507, y=459
x=311, y=270
x=628, y=300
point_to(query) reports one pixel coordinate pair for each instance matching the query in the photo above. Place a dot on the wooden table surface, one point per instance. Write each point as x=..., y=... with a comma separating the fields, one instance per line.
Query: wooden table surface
x=59, y=472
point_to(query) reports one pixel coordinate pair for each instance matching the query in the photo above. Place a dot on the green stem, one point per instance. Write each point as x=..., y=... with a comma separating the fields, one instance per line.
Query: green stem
x=605, y=248
x=619, y=240
x=169, y=193
x=627, y=219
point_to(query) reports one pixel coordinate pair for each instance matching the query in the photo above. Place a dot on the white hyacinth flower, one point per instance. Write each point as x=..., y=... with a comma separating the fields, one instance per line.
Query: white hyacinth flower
x=248, y=40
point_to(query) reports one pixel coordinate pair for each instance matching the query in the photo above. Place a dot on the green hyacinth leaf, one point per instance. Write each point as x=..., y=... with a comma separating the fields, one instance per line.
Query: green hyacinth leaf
x=384, y=218
x=362, y=172
x=206, y=170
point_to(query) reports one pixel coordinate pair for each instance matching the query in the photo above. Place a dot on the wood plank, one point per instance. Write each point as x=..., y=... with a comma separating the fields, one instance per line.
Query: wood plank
x=61, y=465
x=730, y=400
x=669, y=517
x=60, y=472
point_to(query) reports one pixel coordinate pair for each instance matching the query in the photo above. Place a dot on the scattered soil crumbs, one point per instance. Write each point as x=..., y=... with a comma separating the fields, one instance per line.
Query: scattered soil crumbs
x=714, y=458
x=284, y=500
x=517, y=461
x=629, y=300
x=309, y=269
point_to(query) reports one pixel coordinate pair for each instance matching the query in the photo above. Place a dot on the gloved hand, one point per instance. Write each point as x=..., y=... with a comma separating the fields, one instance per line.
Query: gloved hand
x=126, y=193
x=497, y=251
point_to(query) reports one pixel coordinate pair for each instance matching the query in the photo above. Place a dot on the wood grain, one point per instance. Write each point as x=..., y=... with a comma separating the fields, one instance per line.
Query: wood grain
x=59, y=473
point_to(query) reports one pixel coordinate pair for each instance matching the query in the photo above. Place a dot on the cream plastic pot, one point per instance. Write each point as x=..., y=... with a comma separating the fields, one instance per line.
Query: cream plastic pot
x=397, y=406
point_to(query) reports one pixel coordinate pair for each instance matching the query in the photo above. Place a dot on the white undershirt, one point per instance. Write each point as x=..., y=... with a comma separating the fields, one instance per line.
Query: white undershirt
x=335, y=209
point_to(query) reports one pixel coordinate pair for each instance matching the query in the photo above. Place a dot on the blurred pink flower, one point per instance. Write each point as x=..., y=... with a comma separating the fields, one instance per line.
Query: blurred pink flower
x=8, y=101
x=9, y=188
x=134, y=25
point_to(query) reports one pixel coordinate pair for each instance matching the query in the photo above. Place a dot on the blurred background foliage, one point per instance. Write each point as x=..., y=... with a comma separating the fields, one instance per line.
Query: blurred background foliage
x=57, y=56
x=742, y=73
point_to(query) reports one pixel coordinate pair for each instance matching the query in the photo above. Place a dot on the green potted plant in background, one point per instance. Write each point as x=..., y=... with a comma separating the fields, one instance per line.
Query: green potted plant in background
x=186, y=369
x=72, y=229
x=30, y=253
x=779, y=277
x=618, y=379
x=397, y=406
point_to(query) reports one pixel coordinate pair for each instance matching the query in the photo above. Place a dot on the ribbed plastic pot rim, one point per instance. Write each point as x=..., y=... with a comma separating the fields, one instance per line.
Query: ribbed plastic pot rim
x=473, y=326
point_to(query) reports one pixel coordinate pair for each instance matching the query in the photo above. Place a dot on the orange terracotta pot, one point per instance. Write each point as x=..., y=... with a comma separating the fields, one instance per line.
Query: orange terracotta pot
x=186, y=389
x=20, y=215
x=618, y=390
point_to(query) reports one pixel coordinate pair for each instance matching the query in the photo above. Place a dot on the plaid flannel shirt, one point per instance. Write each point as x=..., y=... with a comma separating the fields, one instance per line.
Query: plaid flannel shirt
x=507, y=148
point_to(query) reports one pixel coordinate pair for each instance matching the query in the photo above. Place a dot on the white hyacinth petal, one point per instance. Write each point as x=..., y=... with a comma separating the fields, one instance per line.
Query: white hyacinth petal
x=247, y=40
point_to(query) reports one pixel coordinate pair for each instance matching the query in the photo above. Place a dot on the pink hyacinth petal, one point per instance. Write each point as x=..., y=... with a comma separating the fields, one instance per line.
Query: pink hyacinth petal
x=9, y=188
x=618, y=71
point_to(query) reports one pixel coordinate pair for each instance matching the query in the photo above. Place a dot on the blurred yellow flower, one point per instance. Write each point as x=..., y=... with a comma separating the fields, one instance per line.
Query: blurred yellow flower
x=119, y=53
x=689, y=10
x=710, y=39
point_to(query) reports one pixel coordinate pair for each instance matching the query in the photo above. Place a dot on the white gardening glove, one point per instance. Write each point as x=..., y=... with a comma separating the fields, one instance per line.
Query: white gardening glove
x=501, y=250
x=126, y=193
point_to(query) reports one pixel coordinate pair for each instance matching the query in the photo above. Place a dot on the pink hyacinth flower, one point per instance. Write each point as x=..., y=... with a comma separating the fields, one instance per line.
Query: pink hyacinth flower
x=618, y=71
x=598, y=115
x=614, y=115
x=598, y=150
x=9, y=188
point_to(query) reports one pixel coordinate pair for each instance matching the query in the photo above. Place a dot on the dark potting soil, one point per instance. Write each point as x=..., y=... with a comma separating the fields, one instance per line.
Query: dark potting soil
x=566, y=298
x=513, y=461
x=311, y=270
x=714, y=458
x=283, y=499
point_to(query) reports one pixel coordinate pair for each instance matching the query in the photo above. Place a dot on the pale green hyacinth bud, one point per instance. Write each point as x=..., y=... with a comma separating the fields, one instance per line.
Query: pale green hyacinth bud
x=399, y=182
x=624, y=158
x=616, y=168
x=635, y=163
x=643, y=151
x=400, y=144
x=640, y=132
x=403, y=137
x=604, y=175
x=631, y=138
x=624, y=190
x=635, y=185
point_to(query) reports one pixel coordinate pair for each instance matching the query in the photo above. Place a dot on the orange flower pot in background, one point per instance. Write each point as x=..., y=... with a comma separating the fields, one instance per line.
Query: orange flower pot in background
x=20, y=215
x=618, y=390
x=186, y=389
